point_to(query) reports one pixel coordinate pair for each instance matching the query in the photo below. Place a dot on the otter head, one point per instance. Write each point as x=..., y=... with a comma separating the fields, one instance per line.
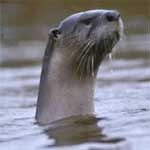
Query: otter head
x=87, y=37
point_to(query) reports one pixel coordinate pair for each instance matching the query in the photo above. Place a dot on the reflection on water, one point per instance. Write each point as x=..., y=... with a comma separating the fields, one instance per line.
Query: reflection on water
x=122, y=97
x=77, y=130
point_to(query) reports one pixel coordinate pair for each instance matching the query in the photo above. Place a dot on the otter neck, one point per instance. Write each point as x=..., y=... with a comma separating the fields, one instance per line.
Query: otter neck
x=62, y=95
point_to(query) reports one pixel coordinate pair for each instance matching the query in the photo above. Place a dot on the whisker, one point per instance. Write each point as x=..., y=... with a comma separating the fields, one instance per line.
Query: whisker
x=82, y=59
x=81, y=50
x=84, y=48
x=89, y=65
x=92, y=63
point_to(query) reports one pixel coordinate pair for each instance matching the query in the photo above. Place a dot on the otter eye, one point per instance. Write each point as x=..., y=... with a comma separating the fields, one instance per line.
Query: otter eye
x=86, y=21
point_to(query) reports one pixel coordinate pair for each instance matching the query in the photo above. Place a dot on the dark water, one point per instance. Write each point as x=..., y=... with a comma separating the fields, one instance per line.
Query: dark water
x=122, y=93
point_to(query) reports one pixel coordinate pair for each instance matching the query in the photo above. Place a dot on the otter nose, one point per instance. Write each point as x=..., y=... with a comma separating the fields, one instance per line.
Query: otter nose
x=112, y=16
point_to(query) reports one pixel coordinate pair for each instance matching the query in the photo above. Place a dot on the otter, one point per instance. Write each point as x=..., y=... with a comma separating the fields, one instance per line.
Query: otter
x=73, y=55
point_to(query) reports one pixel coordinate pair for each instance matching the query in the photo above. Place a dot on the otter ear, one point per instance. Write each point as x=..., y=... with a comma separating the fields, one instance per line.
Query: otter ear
x=55, y=33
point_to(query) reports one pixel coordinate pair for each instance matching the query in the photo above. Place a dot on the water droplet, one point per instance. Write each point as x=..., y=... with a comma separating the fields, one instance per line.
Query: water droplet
x=111, y=59
x=110, y=56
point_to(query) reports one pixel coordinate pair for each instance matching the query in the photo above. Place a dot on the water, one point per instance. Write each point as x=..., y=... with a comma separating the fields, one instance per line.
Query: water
x=122, y=97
